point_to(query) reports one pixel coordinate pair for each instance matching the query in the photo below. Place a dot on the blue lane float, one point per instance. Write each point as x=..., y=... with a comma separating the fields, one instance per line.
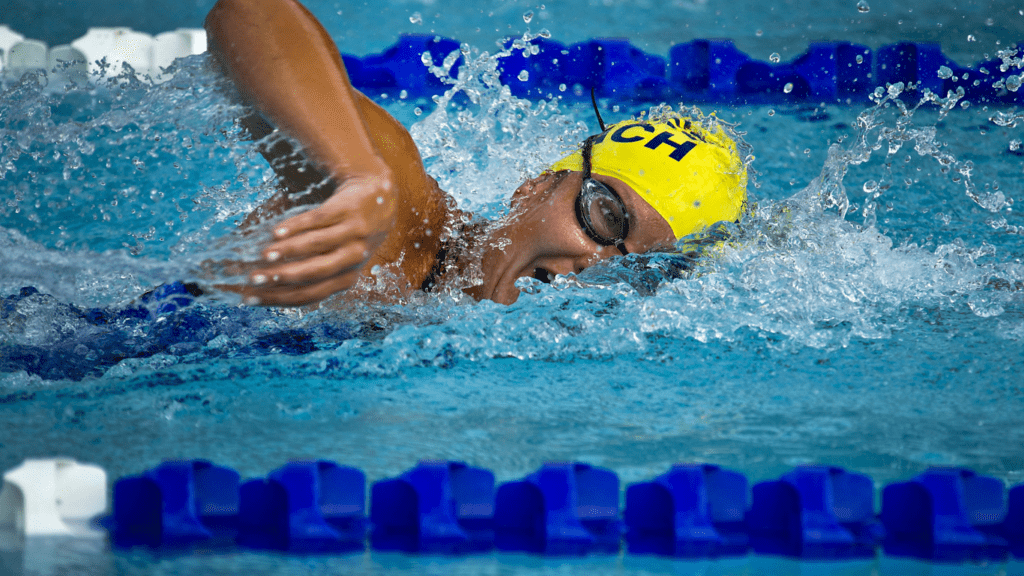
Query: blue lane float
x=563, y=508
x=707, y=71
x=176, y=504
x=309, y=506
x=403, y=66
x=815, y=512
x=693, y=510
x=1013, y=525
x=438, y=507
x=951, y=515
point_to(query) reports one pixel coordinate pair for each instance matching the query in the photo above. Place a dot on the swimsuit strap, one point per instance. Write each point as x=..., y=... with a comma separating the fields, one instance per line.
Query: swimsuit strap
x=434, y=277
x=446, y=254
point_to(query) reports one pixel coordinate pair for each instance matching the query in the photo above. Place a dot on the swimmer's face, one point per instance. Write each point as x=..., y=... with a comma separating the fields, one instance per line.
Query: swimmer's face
x=542, y=236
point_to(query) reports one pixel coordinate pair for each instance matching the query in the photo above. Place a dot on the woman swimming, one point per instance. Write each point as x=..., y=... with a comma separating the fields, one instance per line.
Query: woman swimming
x=635, y=187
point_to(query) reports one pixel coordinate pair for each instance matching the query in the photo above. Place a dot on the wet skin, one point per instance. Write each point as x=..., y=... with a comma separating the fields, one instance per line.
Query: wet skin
x=374, y=202
x=542, y=236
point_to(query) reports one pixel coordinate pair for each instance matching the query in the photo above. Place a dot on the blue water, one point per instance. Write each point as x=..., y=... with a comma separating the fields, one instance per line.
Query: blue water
x=869, y=312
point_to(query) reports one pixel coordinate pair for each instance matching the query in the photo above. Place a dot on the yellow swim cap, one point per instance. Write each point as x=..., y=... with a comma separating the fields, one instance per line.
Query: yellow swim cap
x=691, y=175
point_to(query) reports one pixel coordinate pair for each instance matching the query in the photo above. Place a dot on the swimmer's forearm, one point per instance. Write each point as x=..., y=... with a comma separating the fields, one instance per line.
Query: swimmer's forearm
x=283, y=62
x=381, y=208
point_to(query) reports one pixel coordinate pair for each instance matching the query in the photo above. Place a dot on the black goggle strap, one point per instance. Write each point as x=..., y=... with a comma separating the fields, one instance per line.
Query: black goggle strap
x=593, y=100
x=588, y=147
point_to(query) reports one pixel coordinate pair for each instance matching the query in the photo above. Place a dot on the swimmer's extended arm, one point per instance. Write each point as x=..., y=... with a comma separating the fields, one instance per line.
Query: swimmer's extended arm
x=285, y=64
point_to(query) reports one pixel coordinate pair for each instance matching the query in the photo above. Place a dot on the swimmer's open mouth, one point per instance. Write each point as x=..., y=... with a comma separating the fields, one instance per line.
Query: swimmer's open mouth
x=543, y=275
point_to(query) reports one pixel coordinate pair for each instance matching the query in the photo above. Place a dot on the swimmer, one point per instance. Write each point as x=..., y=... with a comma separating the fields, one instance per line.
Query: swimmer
x=635, y=187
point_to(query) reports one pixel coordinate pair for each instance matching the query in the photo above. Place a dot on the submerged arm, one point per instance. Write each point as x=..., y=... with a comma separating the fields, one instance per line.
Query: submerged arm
x=379, y=202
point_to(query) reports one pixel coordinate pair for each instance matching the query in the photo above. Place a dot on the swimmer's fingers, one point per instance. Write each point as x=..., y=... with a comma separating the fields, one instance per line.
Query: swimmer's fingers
x=320, y=241
x=349, y=258
x=369, y=202
x=298, y=295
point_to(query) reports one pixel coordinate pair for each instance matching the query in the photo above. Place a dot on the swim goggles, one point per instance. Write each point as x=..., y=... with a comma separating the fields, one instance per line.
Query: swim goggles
x=599, y=209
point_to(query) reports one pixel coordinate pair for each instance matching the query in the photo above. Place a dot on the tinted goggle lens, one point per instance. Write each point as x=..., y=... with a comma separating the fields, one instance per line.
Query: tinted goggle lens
x=602, y=214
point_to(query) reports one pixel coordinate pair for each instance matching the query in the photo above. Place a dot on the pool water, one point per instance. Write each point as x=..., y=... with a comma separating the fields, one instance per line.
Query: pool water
x=868, y=312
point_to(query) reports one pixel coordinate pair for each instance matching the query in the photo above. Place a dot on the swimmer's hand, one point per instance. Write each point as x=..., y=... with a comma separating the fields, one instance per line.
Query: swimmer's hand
x=385, y=206
x=325, y=250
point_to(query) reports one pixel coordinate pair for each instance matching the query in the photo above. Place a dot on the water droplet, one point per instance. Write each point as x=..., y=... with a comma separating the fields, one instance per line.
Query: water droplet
x=971, y=38
x=945, y=72
x=528, y=16
x=989, y=22
x=1014, y=145
x=426, y=59
x=418, y=111
x=562, y=87
x=523, y=76
x=788, y=87
x=862, y=7
x=416, y=18
x=380, y=199
x=965, y=104
x=771, y=112
x=759, y=33
x=775, y=57
x=870, y=186
x=860, y=59
x=403, y=94
x=1013, y=83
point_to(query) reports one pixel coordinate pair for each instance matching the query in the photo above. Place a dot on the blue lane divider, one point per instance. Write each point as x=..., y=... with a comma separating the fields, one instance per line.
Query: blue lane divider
x=948, y=515
x=312, y=506
x=438, y=506
x=697, y=71
x=1013, y=526
x=815, y=512
x=692, y=510
x=563, y=508
x=176, y=503
x=403, y=65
